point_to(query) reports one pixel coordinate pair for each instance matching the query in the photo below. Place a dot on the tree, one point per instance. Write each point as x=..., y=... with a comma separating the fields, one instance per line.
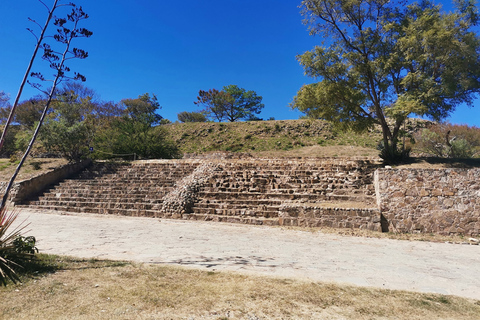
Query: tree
x=230, y=104
x=75, y=120
x=191, y=117
x=40, y=38
x=385, y=61
x=143, y=109
x=27, y=113
x=215, y=103
x=137, y=132
x=448, y=140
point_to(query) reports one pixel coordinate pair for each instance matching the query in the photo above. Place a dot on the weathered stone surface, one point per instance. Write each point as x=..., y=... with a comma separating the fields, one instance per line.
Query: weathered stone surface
x=24, y=189
x=226, y=188
x=448, y=201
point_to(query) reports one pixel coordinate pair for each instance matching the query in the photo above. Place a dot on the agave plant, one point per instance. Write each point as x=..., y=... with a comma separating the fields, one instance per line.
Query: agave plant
x=14, y=248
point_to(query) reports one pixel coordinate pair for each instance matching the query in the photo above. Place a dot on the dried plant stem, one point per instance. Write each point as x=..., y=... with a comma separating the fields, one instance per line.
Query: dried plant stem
x=27, y=73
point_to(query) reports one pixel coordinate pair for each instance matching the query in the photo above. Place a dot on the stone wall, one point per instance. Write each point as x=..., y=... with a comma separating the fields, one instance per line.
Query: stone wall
x=291, y=214
x=25, y=189
x=444, y=201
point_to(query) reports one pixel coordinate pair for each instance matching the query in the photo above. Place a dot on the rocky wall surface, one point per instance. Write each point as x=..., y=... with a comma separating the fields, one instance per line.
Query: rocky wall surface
x=316, y=216
x=444, y=201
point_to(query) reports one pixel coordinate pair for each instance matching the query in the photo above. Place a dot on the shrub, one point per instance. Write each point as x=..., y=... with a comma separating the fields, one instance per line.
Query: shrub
x=447, y=140
x=461, y=148
x=37, y=165
x=392, y=155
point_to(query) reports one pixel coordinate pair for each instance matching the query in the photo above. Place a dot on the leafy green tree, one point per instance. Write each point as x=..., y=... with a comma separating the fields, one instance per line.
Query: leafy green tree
x=136, y=132
x=215, y=103
x=74, y=122
x=27, y=113
x=143, y=109
x=186, y=116
x=230, y=104
x=386, y=60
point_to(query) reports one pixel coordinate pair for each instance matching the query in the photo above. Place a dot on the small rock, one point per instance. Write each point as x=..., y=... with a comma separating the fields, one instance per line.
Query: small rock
x=474, y=241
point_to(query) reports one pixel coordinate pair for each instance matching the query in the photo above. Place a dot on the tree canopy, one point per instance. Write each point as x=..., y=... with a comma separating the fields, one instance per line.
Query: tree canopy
x=136, y=132
x=27, y=113
x=77, y=115
x=186, y=116
x=382, y=61
x=230, y=104
x=143, y=109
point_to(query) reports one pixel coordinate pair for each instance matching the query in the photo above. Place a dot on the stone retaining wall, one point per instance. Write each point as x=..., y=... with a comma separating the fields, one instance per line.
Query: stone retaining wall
x=24, y=189
x=444, y=201
x=315, y=216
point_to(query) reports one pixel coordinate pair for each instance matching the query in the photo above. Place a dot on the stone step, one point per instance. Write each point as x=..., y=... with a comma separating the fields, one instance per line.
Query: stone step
x=256, y=192
x=315, y=216
x=238, y=209
x=96, y=204
x=161, y=180
x=104, y=197
x=231, y=219
x=253, y=202
x=96, y=210
x=114, y=189
x=270, y=196
x=289, y=186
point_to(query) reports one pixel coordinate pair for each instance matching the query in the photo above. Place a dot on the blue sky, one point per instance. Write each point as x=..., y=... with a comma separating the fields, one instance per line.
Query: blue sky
x=176, y=48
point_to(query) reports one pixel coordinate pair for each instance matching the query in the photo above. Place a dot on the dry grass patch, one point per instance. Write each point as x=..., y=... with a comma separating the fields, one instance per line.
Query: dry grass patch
x=86, y=289
x=32, y=167
x=322, y=151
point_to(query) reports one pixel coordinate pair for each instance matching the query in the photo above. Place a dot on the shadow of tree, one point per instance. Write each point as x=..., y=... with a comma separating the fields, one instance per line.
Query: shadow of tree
x=210, y=262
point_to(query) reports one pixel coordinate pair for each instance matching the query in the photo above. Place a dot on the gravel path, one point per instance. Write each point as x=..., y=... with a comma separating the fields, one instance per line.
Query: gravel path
x=393, y=264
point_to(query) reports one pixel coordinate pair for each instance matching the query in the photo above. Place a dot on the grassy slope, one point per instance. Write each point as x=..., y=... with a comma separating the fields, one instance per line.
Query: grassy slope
x=32, y=167
x=267, y=136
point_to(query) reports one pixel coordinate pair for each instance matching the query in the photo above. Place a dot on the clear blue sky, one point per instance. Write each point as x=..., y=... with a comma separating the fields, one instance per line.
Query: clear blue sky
x=176, y=48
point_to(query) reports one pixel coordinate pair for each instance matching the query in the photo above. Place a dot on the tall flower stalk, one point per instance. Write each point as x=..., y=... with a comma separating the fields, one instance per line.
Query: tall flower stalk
x=57, y=59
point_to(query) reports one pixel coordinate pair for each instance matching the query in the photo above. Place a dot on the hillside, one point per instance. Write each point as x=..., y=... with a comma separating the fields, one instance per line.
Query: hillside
x=279, y=138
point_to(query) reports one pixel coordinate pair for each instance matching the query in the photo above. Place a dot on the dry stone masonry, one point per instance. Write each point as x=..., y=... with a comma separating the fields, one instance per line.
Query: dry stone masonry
x=316, y=192
x=300, y=192
x=444, y=201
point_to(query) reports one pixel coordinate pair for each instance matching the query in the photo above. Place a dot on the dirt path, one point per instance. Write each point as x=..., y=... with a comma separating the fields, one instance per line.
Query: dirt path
x=393, y=264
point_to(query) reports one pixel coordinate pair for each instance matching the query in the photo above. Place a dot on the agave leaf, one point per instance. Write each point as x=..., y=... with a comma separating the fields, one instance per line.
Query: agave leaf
x=9, y=256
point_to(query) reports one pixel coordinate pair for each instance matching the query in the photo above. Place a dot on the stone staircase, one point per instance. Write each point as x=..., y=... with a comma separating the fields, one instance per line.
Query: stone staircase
x=124, y=189
x=277, y=192
x=295, y=192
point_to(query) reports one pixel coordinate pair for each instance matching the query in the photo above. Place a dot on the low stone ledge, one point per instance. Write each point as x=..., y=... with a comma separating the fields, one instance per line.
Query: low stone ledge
x=317, y=216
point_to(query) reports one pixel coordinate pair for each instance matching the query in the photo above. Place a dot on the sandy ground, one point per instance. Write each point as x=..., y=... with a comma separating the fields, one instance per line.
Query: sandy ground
x=384, y=263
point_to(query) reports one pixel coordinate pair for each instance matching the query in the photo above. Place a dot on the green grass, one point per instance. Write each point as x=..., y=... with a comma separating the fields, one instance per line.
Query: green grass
x=262, y=136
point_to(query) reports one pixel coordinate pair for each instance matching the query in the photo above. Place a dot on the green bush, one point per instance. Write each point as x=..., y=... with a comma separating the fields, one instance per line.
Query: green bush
x=191, y=117
x=461, y=148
